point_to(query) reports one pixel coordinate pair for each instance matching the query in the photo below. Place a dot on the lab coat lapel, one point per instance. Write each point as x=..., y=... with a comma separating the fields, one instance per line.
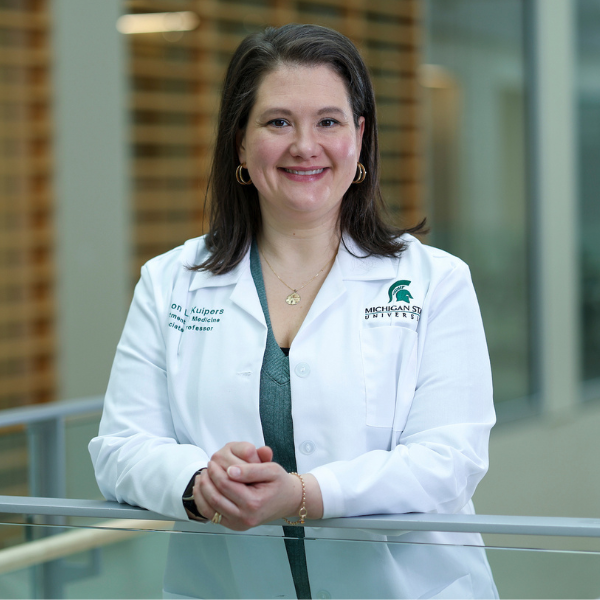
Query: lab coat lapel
x=347, y=266
x=244, y=293
x=332, y=289
x=246, y=296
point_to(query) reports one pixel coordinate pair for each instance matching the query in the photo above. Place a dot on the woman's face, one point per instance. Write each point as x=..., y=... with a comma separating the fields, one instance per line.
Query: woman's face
x=301, y=146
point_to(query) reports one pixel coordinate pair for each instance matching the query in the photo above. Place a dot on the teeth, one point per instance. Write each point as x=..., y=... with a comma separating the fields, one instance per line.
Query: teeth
x=315, y=172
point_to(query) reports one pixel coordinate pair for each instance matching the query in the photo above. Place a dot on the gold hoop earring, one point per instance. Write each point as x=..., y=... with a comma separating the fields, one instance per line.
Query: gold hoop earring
x=238, y=175
x=362, y=173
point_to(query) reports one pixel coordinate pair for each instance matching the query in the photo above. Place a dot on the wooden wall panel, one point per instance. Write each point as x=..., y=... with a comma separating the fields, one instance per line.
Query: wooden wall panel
x=27, y=345
x=175, y=87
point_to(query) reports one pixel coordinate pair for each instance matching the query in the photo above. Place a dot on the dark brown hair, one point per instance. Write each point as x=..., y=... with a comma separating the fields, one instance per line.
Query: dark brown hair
x=235, y=216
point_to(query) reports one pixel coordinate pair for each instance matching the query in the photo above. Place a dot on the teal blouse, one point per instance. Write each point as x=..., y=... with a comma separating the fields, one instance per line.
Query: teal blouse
x=275, y=407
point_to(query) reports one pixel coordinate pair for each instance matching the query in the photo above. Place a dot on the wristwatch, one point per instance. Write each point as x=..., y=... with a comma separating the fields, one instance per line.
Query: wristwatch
x=188, y=497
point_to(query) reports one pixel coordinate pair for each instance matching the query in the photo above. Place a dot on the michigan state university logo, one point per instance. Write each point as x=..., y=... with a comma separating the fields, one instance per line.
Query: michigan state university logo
x=398, y=290
x=402, y=308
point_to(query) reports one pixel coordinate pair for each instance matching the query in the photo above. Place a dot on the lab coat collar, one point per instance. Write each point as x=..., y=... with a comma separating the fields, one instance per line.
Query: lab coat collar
x=203, y=279
x=244, y=293
x=354, y=268
x=350, y=267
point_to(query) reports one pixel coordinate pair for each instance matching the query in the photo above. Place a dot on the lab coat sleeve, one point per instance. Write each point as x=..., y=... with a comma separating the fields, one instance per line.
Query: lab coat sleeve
x=442, y=452
x=136, y=456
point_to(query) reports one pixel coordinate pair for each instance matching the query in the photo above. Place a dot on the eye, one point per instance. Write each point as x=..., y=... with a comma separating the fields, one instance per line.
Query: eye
x=328, y=123
x=279, y=123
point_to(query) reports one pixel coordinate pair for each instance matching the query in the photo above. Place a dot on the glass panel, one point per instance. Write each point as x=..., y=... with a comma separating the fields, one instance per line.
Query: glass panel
x=18, y=472
x=588, y=34
x=474, y=87
x=80, y=478
x=128, y=563
x=535, y=573
x=13, y=460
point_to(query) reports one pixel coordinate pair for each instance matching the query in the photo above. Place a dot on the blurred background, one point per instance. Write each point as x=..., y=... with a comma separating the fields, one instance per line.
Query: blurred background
x=489, y=117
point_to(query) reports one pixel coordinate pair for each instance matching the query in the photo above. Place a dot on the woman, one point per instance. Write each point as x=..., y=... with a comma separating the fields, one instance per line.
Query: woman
x=303, y=359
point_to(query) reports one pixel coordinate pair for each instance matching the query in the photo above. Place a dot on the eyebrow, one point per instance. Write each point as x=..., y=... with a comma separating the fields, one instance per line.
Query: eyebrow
x=286, y=112
x=331, y=109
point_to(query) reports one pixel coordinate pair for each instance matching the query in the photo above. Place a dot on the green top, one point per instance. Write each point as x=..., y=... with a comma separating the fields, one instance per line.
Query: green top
x=275, y=407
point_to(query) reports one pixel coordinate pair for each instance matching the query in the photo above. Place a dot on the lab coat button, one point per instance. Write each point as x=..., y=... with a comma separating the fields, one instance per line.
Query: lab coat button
x=307, y=447
x=302, y=370
x=323, y=594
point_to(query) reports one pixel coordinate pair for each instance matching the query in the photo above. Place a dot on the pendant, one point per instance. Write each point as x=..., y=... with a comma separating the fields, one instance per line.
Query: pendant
x=293, y=298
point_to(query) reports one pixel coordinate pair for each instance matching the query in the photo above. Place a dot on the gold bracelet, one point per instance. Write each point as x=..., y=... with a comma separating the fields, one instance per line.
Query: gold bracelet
x=303, y=512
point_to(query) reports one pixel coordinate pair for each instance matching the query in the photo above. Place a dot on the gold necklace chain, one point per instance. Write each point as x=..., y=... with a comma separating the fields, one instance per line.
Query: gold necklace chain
x=294, y=297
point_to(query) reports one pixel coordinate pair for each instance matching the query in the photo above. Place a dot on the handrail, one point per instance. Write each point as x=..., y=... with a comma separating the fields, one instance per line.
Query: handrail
x=500, y=524
x=53, y=410
x=60, y=507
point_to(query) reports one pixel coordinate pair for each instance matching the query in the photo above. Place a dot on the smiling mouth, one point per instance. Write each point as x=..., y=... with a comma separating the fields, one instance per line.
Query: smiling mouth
x=313, y=172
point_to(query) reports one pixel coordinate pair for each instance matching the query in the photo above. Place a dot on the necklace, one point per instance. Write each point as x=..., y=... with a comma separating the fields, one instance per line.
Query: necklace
x=294, y=297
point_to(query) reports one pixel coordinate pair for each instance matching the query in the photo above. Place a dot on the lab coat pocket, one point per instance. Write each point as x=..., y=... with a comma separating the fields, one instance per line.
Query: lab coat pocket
x=389, y=362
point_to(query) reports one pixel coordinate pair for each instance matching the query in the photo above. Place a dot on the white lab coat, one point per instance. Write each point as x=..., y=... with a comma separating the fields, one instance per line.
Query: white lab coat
x=391, y=404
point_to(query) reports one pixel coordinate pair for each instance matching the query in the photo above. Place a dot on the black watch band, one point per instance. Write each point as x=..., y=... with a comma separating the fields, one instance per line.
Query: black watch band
x=188, y=498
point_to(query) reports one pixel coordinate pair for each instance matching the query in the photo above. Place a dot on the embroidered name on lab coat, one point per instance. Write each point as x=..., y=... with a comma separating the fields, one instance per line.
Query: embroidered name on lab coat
x=199, y=319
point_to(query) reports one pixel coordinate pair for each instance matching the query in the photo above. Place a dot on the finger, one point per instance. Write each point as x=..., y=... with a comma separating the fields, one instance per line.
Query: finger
x=209, y=501
x=228, y=520
x=252, y=473
x=245, y=450
x=204, y=508
x=265, y=454
x=215, y=499
x=235, y=453
x=240, y=494
x=237, y=492
x=225, y=459
x=277, y=494
x=246, y=496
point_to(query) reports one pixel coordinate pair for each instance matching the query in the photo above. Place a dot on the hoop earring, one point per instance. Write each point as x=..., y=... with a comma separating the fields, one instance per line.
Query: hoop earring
x=362, y=173
x=238, y=176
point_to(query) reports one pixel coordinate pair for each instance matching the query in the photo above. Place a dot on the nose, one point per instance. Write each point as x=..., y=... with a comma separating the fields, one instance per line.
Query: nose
x=305, y=143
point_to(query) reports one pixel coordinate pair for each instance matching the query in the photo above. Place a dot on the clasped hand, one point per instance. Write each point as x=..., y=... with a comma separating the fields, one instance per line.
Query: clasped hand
x=246, y=487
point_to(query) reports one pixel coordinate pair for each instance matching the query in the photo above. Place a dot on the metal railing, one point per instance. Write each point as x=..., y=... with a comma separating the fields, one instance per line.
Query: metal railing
x=45, y=427
x=47, y=553
x=115, y=523
x=496, y=524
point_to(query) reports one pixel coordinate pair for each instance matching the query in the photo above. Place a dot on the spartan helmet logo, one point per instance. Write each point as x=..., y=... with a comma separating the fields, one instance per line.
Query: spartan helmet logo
x=398, y=290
